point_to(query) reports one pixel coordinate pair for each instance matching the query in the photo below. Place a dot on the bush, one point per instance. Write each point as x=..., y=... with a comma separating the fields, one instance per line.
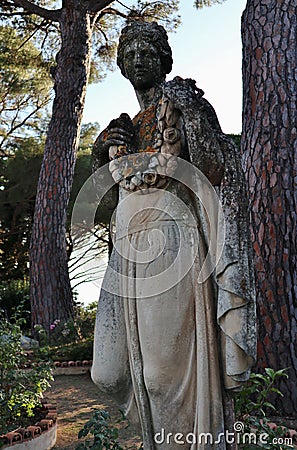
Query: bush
x=21, y=389
x=71, y=340
x=74, y=330
x=12, y=295
x=75, y=351
x=104, y=434
x=252, y=405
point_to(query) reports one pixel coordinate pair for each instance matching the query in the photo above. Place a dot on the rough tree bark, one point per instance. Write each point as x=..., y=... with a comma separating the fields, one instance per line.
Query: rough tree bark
x=269, y=146
x=48, y=258
x=50, y=291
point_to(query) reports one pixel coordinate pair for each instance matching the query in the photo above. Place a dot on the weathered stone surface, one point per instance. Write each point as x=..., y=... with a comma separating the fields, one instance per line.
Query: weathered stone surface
x=167, y=352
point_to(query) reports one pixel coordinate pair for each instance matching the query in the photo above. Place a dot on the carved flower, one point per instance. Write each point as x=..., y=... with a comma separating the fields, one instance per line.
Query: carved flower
x=140, y=161
x=150, y=177
x=171, y=135
x=127, y=171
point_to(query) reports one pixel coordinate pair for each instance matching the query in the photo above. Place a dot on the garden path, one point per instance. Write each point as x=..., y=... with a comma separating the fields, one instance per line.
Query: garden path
x=76, y=397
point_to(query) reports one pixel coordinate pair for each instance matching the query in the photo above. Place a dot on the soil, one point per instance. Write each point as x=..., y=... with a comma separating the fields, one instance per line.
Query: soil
x=76, y=397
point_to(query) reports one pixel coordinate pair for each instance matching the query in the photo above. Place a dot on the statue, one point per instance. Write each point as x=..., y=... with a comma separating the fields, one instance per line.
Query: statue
x=168, y=352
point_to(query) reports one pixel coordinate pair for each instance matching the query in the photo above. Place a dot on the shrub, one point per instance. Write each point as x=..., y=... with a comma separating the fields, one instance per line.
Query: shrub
x=75, y=351
x=21, y=389
x=252, y=406
x=104, y=434
x=74, y=330
x=71, y=340
x=13, y=294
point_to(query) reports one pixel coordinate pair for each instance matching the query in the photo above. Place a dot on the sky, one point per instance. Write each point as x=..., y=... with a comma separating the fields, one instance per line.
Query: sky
x=207, y=48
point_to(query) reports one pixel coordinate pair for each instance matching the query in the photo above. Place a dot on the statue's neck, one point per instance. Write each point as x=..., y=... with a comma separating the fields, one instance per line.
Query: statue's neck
x=149, y=97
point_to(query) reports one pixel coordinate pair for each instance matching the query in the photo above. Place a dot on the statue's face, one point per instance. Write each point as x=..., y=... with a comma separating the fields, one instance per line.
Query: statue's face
x=142, y=64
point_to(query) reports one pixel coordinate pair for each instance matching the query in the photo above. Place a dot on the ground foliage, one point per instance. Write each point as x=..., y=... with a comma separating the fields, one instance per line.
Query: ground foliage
x=21, y=390
x=253, y=408
x=71, y=340
x=104, y=435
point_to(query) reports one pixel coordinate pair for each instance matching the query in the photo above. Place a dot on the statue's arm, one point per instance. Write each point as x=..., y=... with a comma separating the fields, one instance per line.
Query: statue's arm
x=205, y=140
x=119, y=132
x=100, y=155
x=100, y=158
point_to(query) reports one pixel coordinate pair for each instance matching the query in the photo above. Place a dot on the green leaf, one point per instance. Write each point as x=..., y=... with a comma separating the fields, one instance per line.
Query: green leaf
x=270, y=405
x=270, y=372
x=277, y=391
x=282, y=372
x=260, y=376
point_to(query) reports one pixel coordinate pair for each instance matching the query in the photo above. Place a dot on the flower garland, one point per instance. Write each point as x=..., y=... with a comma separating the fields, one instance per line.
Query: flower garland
x=153, y=166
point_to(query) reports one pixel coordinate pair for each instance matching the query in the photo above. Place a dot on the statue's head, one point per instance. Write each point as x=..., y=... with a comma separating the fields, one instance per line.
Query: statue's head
x=144, y=55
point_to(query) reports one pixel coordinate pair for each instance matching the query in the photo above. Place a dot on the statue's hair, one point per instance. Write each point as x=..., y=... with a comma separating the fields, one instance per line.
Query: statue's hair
x=150, y=31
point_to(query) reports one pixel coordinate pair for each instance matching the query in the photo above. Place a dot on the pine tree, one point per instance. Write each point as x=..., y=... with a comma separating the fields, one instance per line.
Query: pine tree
x=269, y=146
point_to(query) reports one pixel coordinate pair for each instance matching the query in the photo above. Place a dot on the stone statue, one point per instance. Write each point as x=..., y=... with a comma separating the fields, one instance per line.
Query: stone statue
x=168, y=348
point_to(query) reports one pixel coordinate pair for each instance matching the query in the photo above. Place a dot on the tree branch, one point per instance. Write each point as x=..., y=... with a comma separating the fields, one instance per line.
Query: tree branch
x=95, y=6
x=39, y=11
x=31, y=35
x=14, y=126
x=125, y=6
x=113, y=12
x=10, y=14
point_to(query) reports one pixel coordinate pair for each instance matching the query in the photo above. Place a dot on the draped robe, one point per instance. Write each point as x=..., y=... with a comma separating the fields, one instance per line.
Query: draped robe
x=166, y=355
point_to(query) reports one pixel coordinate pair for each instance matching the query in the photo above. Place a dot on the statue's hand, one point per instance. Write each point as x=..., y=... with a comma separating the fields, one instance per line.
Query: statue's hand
x=116, y=136
x=119, y=132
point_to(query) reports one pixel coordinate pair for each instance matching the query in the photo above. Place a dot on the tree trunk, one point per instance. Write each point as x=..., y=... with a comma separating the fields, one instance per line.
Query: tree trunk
x=50, y=292
x=269, y=145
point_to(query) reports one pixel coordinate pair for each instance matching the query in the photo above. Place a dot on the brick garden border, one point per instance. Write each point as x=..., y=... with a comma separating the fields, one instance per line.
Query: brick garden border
x=40, y=436
x=43, y=434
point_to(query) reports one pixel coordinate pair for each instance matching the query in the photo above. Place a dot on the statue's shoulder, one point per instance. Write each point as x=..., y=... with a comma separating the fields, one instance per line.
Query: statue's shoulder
x=182, y=91
x=183, y=84
x=186, y=95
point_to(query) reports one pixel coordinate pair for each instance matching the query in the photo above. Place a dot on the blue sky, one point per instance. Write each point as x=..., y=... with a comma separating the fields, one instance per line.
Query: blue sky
x=207, y=47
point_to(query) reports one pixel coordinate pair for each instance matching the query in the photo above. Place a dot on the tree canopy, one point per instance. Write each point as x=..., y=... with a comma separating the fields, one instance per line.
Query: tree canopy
x=19, y=174
x=202, y=3
x=38, y=22
x=24, y=91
